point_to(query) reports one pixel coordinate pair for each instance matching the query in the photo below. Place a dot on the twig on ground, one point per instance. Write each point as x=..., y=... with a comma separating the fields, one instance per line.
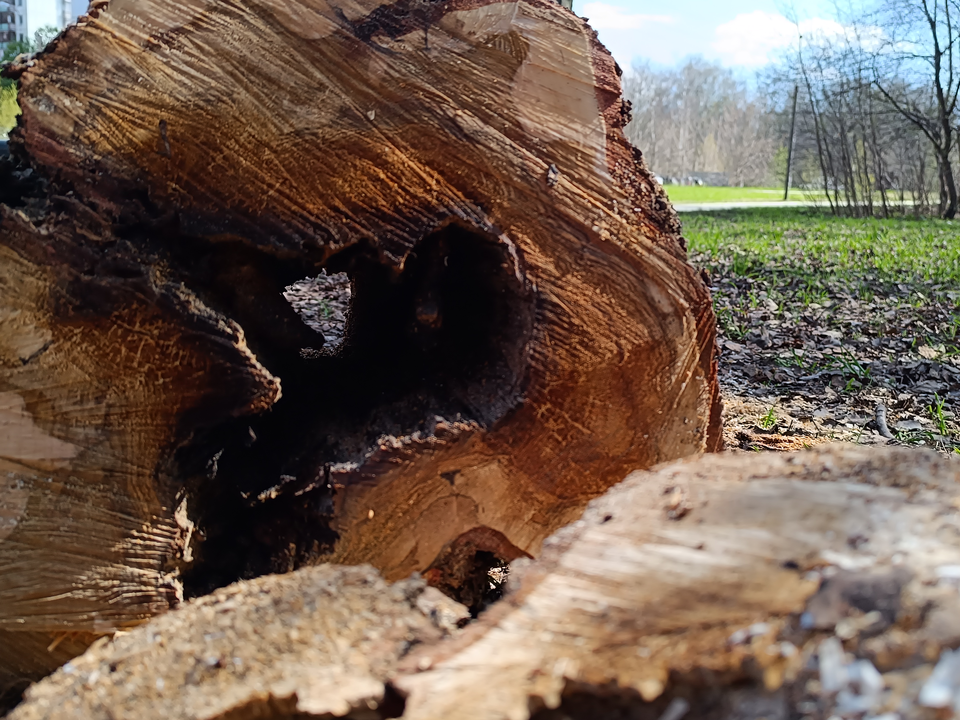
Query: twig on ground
x=882, y=421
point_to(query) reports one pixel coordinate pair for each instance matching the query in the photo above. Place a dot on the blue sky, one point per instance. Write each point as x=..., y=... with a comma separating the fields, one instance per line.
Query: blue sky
x=739, y=34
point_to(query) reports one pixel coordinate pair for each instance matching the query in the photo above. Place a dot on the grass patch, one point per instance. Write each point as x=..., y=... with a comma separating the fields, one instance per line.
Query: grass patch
x=9, y=110
x=706, y=194
x=808, y=243
x=821, y=319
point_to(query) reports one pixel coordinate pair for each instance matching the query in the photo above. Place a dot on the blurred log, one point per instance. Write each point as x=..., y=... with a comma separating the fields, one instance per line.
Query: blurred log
x=720, y=594
x=728, y=597
x=321, y=642
x=524, y=329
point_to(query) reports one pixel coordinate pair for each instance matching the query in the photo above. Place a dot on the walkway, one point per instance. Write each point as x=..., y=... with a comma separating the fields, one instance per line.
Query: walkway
x=715, y=206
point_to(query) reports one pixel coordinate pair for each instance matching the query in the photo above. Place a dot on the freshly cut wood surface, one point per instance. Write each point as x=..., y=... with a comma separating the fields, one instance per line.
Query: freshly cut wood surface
x=320, y=642
x=525, y=327
x=105, y=370
x=707, y=573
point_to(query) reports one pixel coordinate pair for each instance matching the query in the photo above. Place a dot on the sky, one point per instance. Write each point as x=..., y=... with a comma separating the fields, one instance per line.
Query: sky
x=739, y=34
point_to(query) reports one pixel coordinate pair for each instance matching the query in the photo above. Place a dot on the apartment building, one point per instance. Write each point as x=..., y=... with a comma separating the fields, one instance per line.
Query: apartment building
x=12, y=21
x=21, y=19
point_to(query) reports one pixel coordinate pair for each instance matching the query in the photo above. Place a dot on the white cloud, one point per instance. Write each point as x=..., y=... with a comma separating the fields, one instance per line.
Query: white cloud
x=749, y=39
x=610, y=17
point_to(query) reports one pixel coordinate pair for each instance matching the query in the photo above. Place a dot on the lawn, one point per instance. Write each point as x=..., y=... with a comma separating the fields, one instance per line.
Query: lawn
x=823, y=319
x=809, y=243
x=8, y=109
x=706, y=194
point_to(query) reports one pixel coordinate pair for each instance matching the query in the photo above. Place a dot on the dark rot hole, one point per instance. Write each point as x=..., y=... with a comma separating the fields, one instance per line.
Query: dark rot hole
x=442, y=338
x=473, y=569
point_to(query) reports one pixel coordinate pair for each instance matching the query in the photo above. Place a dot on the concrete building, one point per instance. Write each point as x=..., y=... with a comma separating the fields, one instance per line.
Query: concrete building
x=47, y=13
x=13, y=24
x=21, y=19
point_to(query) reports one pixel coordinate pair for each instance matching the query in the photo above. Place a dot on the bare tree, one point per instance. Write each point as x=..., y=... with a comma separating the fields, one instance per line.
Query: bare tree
x=916, y=70
x=699, y=118
x=853, y=143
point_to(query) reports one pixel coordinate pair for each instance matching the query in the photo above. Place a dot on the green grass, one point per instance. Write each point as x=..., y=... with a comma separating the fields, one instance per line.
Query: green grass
x=803, y=242
x=768, y=421
x=8, y=108
x=705, y=194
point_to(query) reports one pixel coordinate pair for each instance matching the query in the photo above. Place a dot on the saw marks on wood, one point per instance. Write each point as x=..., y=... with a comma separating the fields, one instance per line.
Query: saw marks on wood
x=380, y=139
x=89, y=424
x=739, y=585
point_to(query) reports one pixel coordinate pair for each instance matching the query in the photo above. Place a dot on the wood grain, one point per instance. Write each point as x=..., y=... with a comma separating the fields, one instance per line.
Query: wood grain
x=470, y=146
x=638, y=594
x=102, y=376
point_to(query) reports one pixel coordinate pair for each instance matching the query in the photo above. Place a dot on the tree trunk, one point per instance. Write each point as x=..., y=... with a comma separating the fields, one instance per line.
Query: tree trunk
x=726, y=587
x=949, y=209
x=737, y=574
x=524, y=326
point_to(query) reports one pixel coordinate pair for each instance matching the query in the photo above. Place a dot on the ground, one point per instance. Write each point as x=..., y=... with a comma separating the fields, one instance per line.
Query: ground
x=826, y=323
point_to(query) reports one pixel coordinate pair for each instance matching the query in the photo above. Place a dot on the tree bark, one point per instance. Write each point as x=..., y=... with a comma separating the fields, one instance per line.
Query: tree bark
x=949, y=209
x=717, y=586
x=524, y=330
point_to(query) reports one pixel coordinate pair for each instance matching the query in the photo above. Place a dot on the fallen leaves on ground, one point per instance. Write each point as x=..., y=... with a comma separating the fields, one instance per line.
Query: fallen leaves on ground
x=797, y=369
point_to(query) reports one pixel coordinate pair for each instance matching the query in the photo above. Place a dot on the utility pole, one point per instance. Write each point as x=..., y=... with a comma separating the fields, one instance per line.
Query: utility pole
x=793, y=130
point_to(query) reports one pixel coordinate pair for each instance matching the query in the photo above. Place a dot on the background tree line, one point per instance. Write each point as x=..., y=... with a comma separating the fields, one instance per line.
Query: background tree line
x=699, y=119
x=877, y=116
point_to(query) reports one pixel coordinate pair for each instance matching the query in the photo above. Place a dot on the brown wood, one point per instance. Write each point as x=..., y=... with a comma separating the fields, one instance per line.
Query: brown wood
x=525, y=328
x=104, y=372
x=723, y=594
x=642, y=602
x=321, y=642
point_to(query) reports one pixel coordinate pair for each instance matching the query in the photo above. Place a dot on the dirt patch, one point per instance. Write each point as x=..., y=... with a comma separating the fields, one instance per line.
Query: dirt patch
x=797, y=372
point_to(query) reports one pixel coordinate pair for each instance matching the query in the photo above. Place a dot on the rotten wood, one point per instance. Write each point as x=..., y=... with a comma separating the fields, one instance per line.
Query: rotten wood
x=524, y=328
x=104, y=372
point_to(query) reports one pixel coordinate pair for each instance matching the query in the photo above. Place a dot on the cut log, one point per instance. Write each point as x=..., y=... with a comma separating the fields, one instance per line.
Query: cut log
x=321, y=642
x=104, y=372
x=739, y=573
x=524, y=328
x=734, y=595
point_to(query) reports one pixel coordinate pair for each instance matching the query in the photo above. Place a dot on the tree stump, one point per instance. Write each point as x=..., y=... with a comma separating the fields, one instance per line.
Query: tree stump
x=524, y=328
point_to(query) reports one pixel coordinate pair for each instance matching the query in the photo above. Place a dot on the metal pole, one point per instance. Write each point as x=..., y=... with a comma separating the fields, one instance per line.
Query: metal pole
x=793, y=130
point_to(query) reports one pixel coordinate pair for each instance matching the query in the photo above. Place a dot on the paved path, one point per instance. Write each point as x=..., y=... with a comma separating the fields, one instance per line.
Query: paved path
x=712, y=207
